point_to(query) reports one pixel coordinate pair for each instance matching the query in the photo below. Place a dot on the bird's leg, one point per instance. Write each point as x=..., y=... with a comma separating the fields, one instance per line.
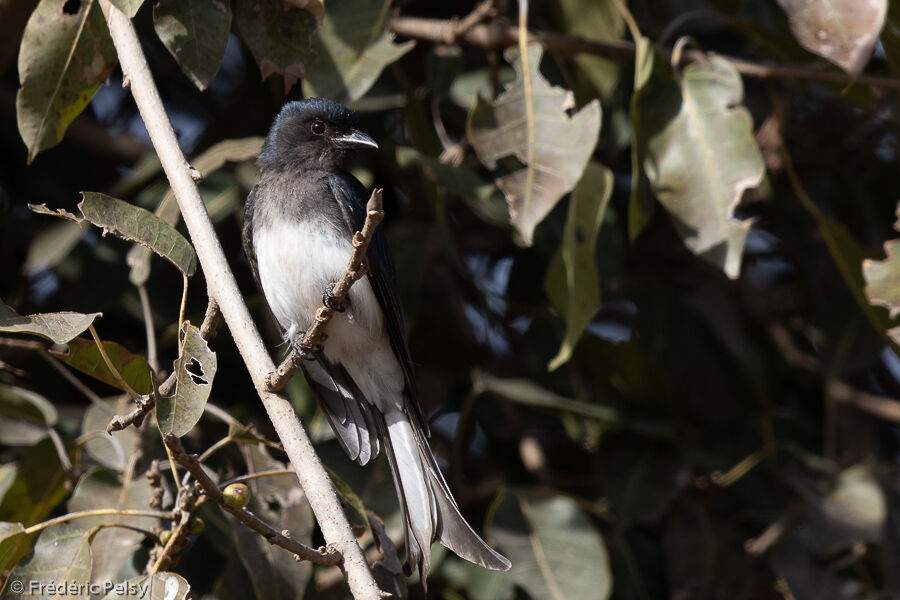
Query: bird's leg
x=304, y=351
x=328, y=300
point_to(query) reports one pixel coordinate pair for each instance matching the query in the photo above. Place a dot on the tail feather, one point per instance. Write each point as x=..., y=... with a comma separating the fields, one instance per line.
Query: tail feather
x=429, y=511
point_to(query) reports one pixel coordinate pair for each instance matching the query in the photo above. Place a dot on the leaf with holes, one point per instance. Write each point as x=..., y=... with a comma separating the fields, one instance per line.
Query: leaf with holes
x=279, y=37
x=352, y=48
x=572, y=282
x=552, y=546
x=113, y=547
x=208, y=162
x=61, y=559
x=883, y=283
x=132, y=223
x=529, y=121
x=194, y=371
x=163, y=586
x=699, y=155
x=195, y=34
x=58, y=327
x=83, y=354
x=63, y=59
x=842, y=31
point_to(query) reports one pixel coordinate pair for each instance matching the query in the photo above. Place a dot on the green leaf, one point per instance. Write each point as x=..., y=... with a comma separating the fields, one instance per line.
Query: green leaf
x=110, y=450
x=113, y=547
x=14, y=543
x=529, y=393
x=555, y=551
x=890, y=37
x=640, y=203
x=163, y=586
x=195, y=33
x=50, y=246
x=61, y=558
x=24, y=416
x=352, y=48
x=479, y=583
x=346, y=492
x=129, y=7
x=63, y=59
x=84, y=355
x=132, y=223
x=700, y=156
x=207, y=163
x=529, y=121
x=842, y=31
x=572, y=282
x=882, y=285
x=279, y=36
x=39, y=485
x=194, y=371
x=59, y=327
x=598, y=20
x=274, y=574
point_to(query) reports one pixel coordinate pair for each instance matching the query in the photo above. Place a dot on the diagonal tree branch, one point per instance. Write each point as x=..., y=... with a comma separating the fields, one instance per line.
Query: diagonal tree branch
x=224, y=290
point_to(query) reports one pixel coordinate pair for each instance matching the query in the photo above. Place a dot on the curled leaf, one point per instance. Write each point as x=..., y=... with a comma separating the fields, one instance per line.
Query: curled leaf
x=529, y=121
x=132, y=223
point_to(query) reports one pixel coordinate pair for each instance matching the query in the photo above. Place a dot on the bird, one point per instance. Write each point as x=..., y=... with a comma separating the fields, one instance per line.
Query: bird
x=299, y=220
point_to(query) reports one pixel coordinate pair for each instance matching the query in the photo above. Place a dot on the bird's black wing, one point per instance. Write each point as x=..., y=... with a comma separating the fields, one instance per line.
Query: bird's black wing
x=352, y=197
x=247, y=236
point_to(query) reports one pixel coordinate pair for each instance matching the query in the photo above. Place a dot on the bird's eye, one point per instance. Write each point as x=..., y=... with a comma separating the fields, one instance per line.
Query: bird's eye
x=318, y=127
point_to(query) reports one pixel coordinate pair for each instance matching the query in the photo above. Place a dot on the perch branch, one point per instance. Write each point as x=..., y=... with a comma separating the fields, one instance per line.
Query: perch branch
x=224, y=290
x=355, y=270
x=211, y=491
x=495, y=35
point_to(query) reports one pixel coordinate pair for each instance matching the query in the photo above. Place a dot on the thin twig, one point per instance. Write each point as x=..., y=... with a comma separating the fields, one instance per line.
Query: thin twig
x=99, y=512
x=112, y=369
x=152, y=357
x=192, y=464
x=355, y=270
x=495, y=35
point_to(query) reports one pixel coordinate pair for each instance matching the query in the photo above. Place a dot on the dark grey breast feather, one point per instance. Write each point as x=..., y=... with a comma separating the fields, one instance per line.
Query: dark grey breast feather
x=247, y=236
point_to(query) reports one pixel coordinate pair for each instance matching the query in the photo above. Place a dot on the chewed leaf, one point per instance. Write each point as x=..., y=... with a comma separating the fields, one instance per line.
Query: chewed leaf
x=699, y=154
x=63, y=60
x=883, y=283
x=279, y=36
x=194, y=372
x=529, y=121
x=195, y=34
x=59, y=327
x=352, y=48
x=85, y=356
x=842, y=31
x=131, y=223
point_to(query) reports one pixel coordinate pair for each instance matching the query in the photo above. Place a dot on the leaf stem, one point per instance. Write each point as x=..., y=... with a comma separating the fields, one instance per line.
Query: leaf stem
x=112, y=369
x=99, y=512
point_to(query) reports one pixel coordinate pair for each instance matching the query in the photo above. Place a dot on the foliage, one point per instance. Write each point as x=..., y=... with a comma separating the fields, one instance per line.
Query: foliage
x=650, y=271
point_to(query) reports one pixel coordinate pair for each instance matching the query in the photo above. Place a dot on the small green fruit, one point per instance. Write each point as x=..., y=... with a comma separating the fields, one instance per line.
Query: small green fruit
x=196, y=526
x=164, y=537
x=237, y=495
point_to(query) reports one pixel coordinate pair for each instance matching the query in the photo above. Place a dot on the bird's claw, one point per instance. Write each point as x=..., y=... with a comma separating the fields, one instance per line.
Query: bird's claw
x=304, y=351
x=328, y=301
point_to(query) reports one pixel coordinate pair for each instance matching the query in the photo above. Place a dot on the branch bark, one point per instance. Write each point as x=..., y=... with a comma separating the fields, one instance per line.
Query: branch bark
x=224, y=290
x=495, y=35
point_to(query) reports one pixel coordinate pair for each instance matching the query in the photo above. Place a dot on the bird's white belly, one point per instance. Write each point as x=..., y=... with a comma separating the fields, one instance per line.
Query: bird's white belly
x=298, y=262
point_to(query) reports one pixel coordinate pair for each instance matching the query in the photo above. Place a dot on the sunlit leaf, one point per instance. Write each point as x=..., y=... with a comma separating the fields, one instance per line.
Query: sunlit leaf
x=207, y=163
x=163, y=586
x=700, y=156
x=883, y=283
x=555, y=551
x=63, y=59
x=24, y=416
x=109, y=449
x=84, y=355
x=278, y=500
x=195, y=33
x=352, y=48
x=39, y=485
x=529, y=121
x=62, y=558
x=572, y=281
x=132, y=223
x=279, y=36
x=112, y=547
x=59, y=327
x=14, y=543
x=194, y=371
x=842, y=31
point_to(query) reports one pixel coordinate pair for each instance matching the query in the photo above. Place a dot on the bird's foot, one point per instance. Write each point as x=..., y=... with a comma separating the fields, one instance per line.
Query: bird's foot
x=304, y=351
x=328, y=299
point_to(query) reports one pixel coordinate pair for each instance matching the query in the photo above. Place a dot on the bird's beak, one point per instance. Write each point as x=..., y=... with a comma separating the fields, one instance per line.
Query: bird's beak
x=354, y=139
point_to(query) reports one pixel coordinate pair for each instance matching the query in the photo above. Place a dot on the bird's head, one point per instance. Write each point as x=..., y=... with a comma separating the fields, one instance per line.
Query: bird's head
x=313, y=133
